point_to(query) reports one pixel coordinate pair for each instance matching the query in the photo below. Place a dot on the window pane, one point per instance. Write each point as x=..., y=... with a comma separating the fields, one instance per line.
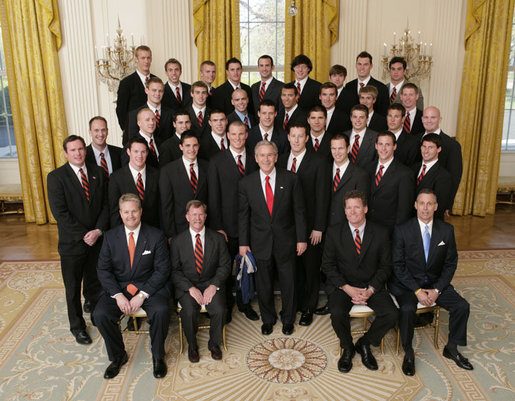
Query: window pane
x=508, y=132
x=7, y=143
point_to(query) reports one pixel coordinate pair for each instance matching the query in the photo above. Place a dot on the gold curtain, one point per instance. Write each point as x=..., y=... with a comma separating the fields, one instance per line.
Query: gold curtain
x=311, y=32
x=217, y=32
x=481, y=111
x=32, y=35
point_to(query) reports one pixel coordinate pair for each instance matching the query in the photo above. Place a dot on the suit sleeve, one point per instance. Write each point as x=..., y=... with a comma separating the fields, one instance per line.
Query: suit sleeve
x=399, y=259
x=179, y=279
x=450, y=263
x=114, y=194
x=243, y=215
x=132, y=123
x=363, y=182
x=102, y=222
x=224, y=264
x=455, y=168
x=384, y=267
x=161, y=273
x=167, y=201
x=299, y=210
x=322, y=195
x=330, y=259
x=405, y=197
x=105, y=268
x=214, y=197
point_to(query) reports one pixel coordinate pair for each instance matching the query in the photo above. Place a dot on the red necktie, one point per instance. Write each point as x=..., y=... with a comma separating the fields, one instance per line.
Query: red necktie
x=210, y=91
x=262, y=91
x=294, y=165
x=85, y=183
x=361, y=85
x=140, y=187
x=422, y=174
x=355, y=149
x=222, y=146
x=200, y=119
x=269, y=195
x=336, y=180
x=103, y=164
x=199, y=254
x=393, y=95
x=147, y=78
x=132, y=247
x=246, y=121
x=241, y=167
x=379, y=175
x=286, y=119
x=298, y=88
x=158, y=118
x=152, y=148
x=317, y=145
x=357, y=241
x=266, y=136
x=193, y=178
x=407, y=124
x=178, y=95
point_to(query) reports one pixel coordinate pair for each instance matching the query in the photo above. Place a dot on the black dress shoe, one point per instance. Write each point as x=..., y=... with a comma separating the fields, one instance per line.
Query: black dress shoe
x=460, y=360
x=216, y=352
x=82, y=337
x=408, y=365
x=345, y=361
x=287, y=329
x=87, y=306
x=367, y=357
x=250, y=313
x=267, y=328
x=159, y=368
x=193, y=355
x=306, y=319
x=324, y=310
x=114, y=368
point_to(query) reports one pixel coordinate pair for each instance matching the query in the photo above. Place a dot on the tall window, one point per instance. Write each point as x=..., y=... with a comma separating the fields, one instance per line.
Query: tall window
x=7, y=144
x=261, y=32
x=508, y=132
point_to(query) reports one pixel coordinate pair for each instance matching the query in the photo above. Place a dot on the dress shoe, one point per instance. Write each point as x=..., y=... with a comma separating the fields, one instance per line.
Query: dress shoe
x=114, y=368
x=324, y=310
x=460, y=360
x=193, y=355
x=306, y=319
x=82, y=337
x=287, y=329
x=408, y=365
x=159, y=368
x=345, y=361
x=367, y=357
x=267, y=329
x=216, y=352
x=250, y=313
x=87, y=306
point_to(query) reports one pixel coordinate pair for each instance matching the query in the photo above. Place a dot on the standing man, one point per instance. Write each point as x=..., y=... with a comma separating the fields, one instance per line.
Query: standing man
x=397, y=69
x=337, y=120
x=362, y=139
x=291, y=111
x=177, y=93
x=368, y=97
x=170, y=149
x=357, y=262
x=308, y=89
x=108, y=157
x=147, y=126
x=413, y=119
x=215, y=141
x=408, y=146
x=319, y=139
x=425, y=259
x=200, y=266
x=77, y=195
x=198, y=110
x=344, y=99
x=222, y=95
x=268, y=87
x=240, y=101
x=266, y=130
x=208, y=75
x=134, y=269
x=272, y=226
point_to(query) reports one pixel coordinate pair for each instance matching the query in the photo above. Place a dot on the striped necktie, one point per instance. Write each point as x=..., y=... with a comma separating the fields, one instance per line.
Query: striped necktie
x=199, y=254
x=85, y=183
x=178, y=95
x=336, y=180
x=294, y=165
x=317, y=145
x=193, y=178
x=262, y=91
x=298, y=88
x=140, y=187
x=407, y=123
x=422, y=174
x=286, y=119
x=241, y=167
x=222, y=146
x=103, y=164
x=355, y=149
x=158, y=118
x=357, y=242
x=200, y=119
x=379, y=175
x=393, y=95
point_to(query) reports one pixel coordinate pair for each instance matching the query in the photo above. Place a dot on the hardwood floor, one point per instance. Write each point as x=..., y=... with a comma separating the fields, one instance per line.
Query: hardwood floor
x=31, y=241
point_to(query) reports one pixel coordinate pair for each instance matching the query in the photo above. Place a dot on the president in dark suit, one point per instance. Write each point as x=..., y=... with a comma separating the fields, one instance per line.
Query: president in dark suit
x=425, y=259
x=268, y=88
x=177, y=93
x=108, y=157
x=200, y=266
x=134, y=269
x=77, y=194
x=307, y=88
x=272, y=225
x=357, y=262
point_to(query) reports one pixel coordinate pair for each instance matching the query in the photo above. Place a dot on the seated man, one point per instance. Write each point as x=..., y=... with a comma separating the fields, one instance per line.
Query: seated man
x=357, y=262
x=199, y=278
x=425, y=259
x=140, y=280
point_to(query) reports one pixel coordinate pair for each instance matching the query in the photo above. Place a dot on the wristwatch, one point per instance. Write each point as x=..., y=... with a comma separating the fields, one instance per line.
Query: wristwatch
x=437, y=291
x=140, y=294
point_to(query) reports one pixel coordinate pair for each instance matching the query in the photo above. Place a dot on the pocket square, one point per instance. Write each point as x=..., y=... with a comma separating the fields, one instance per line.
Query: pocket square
x=441, y=243
x=147, y=252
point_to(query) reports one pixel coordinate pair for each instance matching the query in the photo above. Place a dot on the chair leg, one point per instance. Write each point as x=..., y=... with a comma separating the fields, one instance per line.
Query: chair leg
x=382, y=346
x=180, y=335
x=437, y=326
x=223, y=339
x=398, y=342
x=135, y=324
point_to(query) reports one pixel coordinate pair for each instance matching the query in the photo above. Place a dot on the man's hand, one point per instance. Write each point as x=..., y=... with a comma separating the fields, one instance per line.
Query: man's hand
x=224, y=234
x=432, y=295
x=356, y=294
x=301, y=247
x=209, y=293
x=244, y=250
x=315, y=237
x=447, y=213
x=91, y=237
x=196, y=295
x=123, y=303
x=423, y=298
x=136, y=303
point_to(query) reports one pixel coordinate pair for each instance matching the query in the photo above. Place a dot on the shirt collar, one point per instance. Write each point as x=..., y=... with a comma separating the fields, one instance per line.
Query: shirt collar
x=135, y=231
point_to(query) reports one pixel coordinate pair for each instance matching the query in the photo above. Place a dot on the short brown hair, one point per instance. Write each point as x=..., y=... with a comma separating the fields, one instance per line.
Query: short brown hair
x=130, y=197
x=195, y=204
x=338, y=69
x=355, y=194
x=369, y=89
x=173, y=61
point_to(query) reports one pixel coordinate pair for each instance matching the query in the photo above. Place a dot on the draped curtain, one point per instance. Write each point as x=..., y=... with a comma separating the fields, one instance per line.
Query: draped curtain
x=32, y=36
x=311, y=32
x=217, y=32
x=481, y=110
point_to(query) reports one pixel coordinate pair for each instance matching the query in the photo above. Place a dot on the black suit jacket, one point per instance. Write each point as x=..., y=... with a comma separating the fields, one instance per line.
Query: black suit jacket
x=340, y=122
x=209, y=147
x=170, y=99
x=272, y=92
x=383, y=95
x=310, y=95
x=410, y=266
x=115, y=153
x=150, y=270
x=223, y=179
x=378, y=123
x=122, y=182
x=408, y=149
x=215, y=269
x=152, y=160
x=391, y=202
x=131, y=95
x=279, y=137
x=346, y=100
x=417, y=127
x=161, y=133
x=280, y=232
x=176, y=190
x=324, y=147
x=450, y=158
x=221, y=98
x=439, y=180
x=312, y=173
x=169, y=150
x=76, y=216
x=342, y=264
x=367, y=150
x=195, y=124
x=234, y=117
x=299, y=115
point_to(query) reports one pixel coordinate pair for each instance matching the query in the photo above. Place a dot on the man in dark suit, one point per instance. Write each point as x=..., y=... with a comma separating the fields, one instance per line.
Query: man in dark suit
x=198, y=110
x=177, y=93
x=392, y=185
x=311, y=168
x=169, y=149
x=337, y=120
x=397, y=69
x=307, y=88
x=266, y=130
x=319, y=139
x=207, y=74
x=108, y=157
x=240, y=101
x=200, y=266
x=290, y=111
x=272, y=225
x=222, y=95
x=344, y=98
x=216, y=140
x=225, y=171
x=268, y=88
x=136, y=178
x=363, y=67
x=450, y=157
x=77, y=195
x=425, y=259
x=357, y=262
x=413, y=120
x=408, y=146
x=147, y=125
x=362, y=139
x=131, y=91
x=368, y=97
x=179, y=182
x=430, y=174
x=134, y=269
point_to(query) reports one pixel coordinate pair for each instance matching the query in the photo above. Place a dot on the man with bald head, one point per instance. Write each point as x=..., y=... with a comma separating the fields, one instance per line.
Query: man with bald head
x=147, y=125
x=240, y=101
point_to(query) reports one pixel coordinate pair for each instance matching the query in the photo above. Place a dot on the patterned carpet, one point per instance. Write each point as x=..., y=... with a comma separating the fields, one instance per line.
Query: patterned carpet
x=39, y=359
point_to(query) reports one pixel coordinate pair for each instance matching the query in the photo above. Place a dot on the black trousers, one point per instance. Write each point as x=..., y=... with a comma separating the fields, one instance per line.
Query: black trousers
x=386, y=313
x=449, y=299
x=307, y=278
x=107, y=314
x=80, y=270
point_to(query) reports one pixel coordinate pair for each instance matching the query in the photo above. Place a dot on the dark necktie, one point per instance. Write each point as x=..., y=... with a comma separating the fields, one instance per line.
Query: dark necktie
x=140, y=187
x=355, y=149
x=317, y=145
x=294, y=165
x=336, y=180
x=199, y=254
x=379, y=175
x=393, y=95
x=407, y=124
x=103, y=164
x=147, y=78
x=222, y=146
x=178, y=95
x=152, y=148
x=262, y=91
x=200, y=119
x=298, y=88
x=241, y=167
x=422, y=174
x=286, y=119
x=266, y=136
x=85, y=183
x=269, y=195
x=361, y=85
x=246, y=121
x=158, y=118
x=193, y=178
x=357, y=241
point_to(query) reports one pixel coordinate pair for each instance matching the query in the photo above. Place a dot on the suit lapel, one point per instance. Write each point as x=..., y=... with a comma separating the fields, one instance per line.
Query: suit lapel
x=76, y=183
x=278, y=192
x=368, y=236
x=140, y=247
x=347, y=238
x=435, y=239
x=122, y=239
x=208, y=250
x=345, y=177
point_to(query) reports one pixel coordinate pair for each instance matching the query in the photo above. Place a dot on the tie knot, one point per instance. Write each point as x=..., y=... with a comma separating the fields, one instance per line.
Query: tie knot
x=424, y=166
x=294, y=159
x=197, y=236
x=267, y=178
x=337, y=171
x=381, y=167
x=427, y=228
x=356, y=230
x=239, y=157
x=192, y=165
x=139, y=176
x=131, y=234
x=80, y=170
x=101, y=154
x=151, y=141
x=200, y=114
